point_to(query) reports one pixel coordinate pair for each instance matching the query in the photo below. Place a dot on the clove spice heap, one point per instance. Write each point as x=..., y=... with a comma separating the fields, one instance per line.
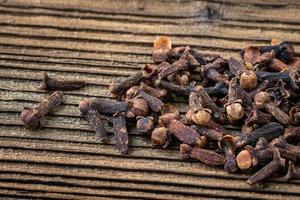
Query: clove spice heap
x=257, y=95
x=243, y=113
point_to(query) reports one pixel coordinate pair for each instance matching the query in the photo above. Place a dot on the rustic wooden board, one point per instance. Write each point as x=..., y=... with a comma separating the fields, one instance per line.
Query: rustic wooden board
x=98, y=41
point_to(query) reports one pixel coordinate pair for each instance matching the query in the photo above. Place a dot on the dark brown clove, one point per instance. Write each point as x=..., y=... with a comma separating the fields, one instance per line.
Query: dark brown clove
x=292, y=173
x=119, y=87
x=242, y=94
x=208, y=157
x=154, y=103
x=268, y=131
x=294, y=73
x=94, y=118
x=228, y=148
x=31, y=117
x=282, y=143
x=155, y=92
x=218, y=113
x=54, y=84
x=144, y=125
x=258, y=117
x=261, y=87
x=278, y=93
x=276, y=164
x=108, y=107
x=263, y=100
x=209, y=133
x=292, y=134
x=294, y=114
x=120, y=132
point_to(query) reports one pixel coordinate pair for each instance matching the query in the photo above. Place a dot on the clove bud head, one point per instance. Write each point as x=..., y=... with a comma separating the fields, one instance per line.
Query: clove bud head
x=261, y=98
x=244, y=160
x=159, y=136
x=202, y=117
x=235, y=111
x=248, y=80
x=144, y=124
x=138, y=107
x=30, y=118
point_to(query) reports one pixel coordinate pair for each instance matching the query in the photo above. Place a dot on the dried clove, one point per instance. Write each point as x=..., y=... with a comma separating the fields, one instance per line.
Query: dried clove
x=121, y=86
x=292, y=134
x=155, y=92
x=209, y=133
x=137, y=107
x=53, y=84
x=226, y=144
x=161, y=136
x=276, y=164
x=94, y=118
x=263, y=100
x=154, y=103
x=268, y=131
x=184, y=133
x=208, y=157
x=120, y=132
x=292, y=173
x=31, y=117
x=108, y=107
x=280, y=142
x=144, y=125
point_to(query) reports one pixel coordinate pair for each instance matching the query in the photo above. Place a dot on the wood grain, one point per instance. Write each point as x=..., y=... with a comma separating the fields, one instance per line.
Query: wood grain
x=98, y=41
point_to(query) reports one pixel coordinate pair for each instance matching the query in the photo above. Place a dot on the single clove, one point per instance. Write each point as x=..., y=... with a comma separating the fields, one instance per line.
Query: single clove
x=227, y=145
x=54, y=84
x=275, y=165
x=268, y=131
x=31, y=117
x=94, y=118
x=108, y=107
x=120, y=132
x=154, y=103
x=208, y=157
x=292, y=134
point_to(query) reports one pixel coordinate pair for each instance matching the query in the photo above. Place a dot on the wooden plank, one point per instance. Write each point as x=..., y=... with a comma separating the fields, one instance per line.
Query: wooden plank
x=196, y=30
x=157, y=9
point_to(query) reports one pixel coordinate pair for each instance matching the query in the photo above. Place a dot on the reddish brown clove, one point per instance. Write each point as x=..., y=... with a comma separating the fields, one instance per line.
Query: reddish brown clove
x=182, y=132
x=94, y=118
x=54, y=84
x=155, y=92
x=276, y=164
x=120, y=132
x=31, y=117
x=251, y=54
x=208, y=157
x=161, y=136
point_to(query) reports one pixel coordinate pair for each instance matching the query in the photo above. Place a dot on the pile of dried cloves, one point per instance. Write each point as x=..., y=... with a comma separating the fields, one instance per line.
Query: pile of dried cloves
x=244, y=114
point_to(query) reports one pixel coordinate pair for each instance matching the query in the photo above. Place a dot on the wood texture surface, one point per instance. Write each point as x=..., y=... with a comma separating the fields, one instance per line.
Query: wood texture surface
x=98, y=41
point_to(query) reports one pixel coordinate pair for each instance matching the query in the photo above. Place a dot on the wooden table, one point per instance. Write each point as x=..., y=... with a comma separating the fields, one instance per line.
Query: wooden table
x=98, y=41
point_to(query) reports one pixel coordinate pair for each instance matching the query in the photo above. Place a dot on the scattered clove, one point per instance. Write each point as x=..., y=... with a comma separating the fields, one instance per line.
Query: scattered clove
x=53, y=84
x=94, y=118
x=31, y=117
x=120, y=132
